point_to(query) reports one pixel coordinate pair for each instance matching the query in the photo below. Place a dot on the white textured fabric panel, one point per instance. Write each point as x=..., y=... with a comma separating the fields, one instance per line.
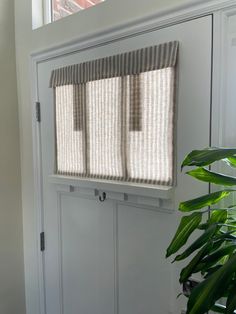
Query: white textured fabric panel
x=150, y=151
x=70, y=157
x=106, y=147
x=104, y=128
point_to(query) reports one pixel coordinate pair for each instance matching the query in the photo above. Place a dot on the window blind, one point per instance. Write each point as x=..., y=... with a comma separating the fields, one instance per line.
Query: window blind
x=115, y=116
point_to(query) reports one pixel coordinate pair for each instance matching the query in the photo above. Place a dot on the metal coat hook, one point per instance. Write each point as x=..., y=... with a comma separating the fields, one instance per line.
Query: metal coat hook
x=102, y=197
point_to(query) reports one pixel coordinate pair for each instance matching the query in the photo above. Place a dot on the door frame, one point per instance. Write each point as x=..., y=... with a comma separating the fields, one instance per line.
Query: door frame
x=221, y=10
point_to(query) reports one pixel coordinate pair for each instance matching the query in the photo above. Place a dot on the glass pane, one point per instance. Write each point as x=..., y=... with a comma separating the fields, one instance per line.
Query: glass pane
x=62, y=8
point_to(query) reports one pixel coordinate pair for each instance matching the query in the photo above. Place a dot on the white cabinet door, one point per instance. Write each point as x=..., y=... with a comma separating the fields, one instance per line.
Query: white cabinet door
x=108, y=258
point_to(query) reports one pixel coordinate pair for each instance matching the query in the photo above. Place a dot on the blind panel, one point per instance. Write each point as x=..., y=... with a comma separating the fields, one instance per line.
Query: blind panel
x=150, y=151
x=70, y=151
x=104, y=128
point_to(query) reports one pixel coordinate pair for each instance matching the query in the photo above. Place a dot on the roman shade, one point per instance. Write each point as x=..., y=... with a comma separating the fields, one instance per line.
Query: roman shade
x=115, y=116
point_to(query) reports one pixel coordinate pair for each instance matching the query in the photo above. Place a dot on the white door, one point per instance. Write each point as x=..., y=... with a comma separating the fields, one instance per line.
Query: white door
x=108, y=257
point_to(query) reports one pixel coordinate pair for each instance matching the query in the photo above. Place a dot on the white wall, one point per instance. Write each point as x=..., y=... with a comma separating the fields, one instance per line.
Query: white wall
x=106, y=15
x=11, y=244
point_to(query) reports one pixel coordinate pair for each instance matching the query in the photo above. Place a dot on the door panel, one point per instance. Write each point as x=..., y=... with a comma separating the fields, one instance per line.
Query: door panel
x=87, y=255
x=105, y=258
x=141, y=249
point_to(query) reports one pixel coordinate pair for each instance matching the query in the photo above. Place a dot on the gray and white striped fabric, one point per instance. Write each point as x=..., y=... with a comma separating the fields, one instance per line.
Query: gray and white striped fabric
x=150, y=151
x=115, y=116
x=129, y=63
x=70, y=157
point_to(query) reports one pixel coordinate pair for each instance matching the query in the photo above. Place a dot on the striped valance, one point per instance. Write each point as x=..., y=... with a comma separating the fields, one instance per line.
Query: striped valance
x=130, y=63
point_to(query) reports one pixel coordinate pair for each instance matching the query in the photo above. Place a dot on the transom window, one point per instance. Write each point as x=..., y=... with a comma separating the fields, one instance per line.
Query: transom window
x=63, y=8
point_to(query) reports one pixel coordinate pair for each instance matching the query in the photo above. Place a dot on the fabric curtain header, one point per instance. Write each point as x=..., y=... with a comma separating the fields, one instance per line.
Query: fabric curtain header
x=129, y=63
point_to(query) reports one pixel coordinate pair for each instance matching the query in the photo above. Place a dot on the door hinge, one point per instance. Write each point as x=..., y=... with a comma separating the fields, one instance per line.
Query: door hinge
x=42, y=242
x=38, y=111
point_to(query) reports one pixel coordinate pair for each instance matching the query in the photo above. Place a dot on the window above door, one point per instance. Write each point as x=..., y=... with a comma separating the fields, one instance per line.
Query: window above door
x=57, y=9
x=62, y=8
x=48, y=11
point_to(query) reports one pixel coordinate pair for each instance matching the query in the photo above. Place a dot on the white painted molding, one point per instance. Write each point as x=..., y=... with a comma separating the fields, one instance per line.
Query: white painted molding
x=47, y=10
x=162, y=192
x=163, y=18
x=159, y=199
x=37, y=13
x=38, y=258
x=60, y=274
x=219, y=75
x=219, y=88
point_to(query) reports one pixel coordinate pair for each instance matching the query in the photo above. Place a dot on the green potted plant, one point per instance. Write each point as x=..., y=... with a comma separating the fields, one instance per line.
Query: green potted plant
x=213, y=252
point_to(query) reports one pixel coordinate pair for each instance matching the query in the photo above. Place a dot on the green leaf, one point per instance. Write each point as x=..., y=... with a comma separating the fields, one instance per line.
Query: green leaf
x=203, y=201
x=203, y=226
x=202, y=266
x=212, y=270
x=215, y=257
x=231, y=301
x=232, y=206
x=227, y=235
x=187, y=225
x=218, y=308
x=207, y=156
x=189, y=269
x=231, y=161
x=204, y=296
x=212, y=177
x=198, y=243
x=218, y=216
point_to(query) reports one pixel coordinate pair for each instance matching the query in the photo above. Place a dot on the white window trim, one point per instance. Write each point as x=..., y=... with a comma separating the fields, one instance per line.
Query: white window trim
x=41, y=13
x=47, y=11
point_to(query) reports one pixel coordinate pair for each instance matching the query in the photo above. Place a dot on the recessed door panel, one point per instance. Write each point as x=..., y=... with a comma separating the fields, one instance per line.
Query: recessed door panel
x=87, y=256
x=144, y=274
